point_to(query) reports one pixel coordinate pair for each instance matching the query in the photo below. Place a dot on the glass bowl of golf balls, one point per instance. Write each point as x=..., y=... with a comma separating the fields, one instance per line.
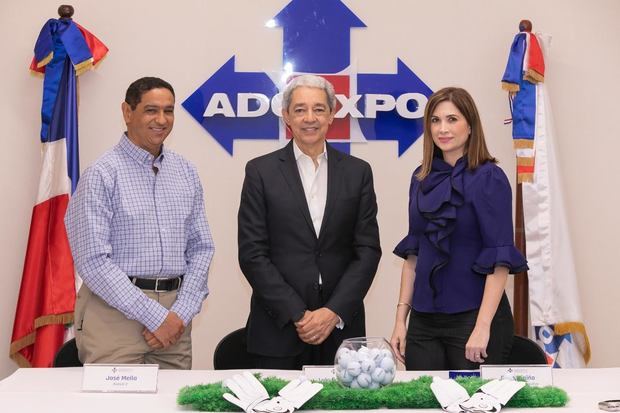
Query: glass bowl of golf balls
x=365, y=363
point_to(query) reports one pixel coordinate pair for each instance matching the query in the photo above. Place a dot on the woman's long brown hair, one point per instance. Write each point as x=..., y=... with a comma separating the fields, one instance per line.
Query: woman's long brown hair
x=475, y=148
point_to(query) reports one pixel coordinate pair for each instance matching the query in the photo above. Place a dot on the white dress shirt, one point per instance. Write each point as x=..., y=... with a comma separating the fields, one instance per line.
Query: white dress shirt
x=314, y=181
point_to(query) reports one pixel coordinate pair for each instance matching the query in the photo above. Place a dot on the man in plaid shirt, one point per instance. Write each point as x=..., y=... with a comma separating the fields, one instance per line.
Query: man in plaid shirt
x=140, y=241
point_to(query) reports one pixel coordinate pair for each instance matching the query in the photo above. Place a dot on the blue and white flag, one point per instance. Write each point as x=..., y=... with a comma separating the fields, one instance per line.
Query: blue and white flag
x=555, y=312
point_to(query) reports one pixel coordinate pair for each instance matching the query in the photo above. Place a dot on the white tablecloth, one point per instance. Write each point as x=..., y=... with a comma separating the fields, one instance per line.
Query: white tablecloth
x=58, y=390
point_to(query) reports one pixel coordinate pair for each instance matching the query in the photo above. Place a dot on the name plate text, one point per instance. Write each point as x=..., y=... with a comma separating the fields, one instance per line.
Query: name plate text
x=120, y=378
x=534, y=375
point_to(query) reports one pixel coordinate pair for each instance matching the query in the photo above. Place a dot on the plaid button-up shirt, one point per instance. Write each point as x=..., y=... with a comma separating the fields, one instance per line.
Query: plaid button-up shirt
x=127, y=220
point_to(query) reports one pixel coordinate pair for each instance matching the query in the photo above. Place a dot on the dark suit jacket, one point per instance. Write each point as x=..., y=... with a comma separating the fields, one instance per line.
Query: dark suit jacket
x=281, y=256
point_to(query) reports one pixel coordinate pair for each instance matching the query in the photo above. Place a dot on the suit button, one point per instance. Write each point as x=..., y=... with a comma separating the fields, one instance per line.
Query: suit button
x=315, y=286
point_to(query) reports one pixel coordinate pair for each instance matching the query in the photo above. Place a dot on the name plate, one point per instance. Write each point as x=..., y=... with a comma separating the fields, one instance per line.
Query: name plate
x=319, y=372
x=534, y=375
x=120, y=378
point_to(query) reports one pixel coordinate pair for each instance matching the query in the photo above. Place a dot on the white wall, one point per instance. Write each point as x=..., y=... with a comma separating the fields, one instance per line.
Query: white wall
x=445, y=42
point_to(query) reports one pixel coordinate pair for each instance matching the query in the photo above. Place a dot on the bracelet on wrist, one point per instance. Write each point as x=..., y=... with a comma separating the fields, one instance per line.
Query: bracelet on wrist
x=402, y=303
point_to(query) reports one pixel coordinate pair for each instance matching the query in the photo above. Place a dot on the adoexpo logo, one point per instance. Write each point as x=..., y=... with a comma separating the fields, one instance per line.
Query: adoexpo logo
x=232, y=105
x=253, y=105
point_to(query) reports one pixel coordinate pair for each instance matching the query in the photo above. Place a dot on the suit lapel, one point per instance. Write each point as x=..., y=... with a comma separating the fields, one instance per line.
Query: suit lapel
x=288, y=167
x=334, y=179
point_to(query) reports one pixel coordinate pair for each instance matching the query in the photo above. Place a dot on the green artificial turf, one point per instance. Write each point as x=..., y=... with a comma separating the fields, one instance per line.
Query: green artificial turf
x=415, y=394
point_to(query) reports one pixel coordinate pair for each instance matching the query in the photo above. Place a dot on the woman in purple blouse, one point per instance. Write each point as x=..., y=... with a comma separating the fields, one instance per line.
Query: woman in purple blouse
x=459, y=248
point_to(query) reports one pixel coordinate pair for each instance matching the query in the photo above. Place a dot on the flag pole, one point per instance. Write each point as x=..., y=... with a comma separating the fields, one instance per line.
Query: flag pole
x=521, y=297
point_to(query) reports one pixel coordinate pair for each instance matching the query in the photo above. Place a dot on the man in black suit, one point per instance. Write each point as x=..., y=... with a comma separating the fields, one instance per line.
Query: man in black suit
x=308, y=237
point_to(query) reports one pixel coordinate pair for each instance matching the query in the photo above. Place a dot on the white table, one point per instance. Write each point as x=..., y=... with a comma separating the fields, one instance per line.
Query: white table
x=58, y=390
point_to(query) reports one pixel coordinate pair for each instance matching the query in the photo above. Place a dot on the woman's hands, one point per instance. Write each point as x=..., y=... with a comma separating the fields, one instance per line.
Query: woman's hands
x=399, y=340
x=476, y=347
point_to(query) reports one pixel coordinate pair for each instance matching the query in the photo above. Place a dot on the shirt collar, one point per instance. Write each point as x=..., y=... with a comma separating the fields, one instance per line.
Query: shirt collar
x=298, y=153
x=140, y=155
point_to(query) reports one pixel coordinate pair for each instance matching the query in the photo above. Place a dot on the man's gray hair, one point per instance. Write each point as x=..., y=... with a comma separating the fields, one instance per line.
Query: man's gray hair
x=309, y=81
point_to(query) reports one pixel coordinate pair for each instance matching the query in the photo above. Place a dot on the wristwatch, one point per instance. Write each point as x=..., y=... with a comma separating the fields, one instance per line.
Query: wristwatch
x=610, y=405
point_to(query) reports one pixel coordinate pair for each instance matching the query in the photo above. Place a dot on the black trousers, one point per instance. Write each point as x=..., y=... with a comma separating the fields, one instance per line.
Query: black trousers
x=436, y=341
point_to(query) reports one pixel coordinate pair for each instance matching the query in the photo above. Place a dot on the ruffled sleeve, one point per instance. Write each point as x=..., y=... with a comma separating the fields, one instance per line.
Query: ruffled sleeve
x=410, y=244
x=493, y=208
x=407, y=246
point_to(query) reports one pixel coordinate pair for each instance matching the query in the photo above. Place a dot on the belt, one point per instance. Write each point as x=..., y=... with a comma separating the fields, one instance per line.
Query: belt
x=157, y=284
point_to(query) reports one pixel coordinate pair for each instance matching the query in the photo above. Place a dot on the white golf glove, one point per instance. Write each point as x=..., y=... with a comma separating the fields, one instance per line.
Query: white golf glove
x=247, y=391
x=449, y=394
x=492, y=396
x=291, y=397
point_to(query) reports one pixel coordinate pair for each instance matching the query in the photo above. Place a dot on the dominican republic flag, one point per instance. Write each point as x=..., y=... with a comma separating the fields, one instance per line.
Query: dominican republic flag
x=555, y=312
x=47, y=293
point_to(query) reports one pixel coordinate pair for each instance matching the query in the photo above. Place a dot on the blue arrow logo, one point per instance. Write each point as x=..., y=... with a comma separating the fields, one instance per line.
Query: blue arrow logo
x=309, y=26
x=225, y=126
x=390, y=125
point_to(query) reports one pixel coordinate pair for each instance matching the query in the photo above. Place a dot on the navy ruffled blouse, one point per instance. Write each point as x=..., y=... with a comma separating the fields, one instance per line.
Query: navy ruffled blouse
x=460, y=228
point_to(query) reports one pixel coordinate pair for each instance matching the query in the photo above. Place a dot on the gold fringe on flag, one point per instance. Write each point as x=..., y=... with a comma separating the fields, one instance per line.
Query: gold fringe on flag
x=525, y=161
x=533, y=76
x=510, y=87
x=525, y=177
x=578, y=331
x=28, y=340
x=45, y=60
x=523, y=143
x=21, y=361
x=83, y=67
